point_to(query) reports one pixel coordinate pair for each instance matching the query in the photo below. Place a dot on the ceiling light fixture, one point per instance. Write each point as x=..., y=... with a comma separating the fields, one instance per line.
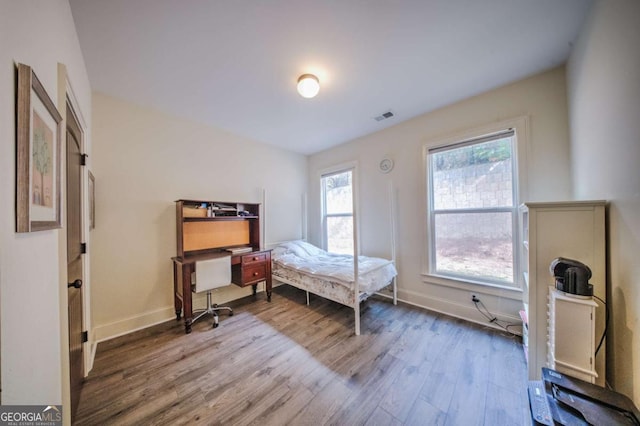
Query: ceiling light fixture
x=308, y=85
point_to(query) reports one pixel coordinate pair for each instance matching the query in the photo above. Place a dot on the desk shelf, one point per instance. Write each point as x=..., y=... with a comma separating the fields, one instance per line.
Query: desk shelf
x=219, y=218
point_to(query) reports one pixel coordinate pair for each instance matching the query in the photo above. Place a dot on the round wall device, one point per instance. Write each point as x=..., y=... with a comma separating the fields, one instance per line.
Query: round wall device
x=386, y=165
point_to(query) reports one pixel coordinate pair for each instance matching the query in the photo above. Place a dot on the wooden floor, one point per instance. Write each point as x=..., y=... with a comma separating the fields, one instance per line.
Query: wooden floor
x=287, y=363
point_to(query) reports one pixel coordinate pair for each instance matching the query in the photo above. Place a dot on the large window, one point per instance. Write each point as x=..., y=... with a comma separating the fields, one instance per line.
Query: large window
x=337, y=211
x=472, y=209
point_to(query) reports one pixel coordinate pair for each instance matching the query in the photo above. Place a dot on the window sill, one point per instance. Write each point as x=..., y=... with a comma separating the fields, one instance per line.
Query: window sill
x=471, y=286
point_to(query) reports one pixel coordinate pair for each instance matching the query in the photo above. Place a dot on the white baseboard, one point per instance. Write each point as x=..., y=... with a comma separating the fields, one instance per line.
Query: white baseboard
x=131, y=324
x=457, y=310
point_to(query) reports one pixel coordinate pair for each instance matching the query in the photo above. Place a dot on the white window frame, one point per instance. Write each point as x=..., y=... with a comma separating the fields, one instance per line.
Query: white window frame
x=520, y=125
x=344, y=167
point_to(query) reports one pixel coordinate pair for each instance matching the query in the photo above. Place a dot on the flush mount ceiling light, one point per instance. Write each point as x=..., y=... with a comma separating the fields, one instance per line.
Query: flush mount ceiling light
x=308, y=85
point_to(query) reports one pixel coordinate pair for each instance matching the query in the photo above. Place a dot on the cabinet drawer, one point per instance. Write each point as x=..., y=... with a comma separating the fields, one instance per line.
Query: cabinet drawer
x=248, y=259
x=251, y=268
x=254, y=273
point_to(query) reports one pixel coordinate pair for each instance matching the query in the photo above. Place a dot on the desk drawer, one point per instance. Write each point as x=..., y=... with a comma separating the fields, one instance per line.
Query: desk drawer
x=251, y=268
x=248, y=259
x=254, y=273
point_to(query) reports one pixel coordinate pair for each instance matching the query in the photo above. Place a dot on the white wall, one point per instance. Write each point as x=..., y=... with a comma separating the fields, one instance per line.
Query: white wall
x=32, y=266
x=603, y=76
x=143, y=161
x=542, y=98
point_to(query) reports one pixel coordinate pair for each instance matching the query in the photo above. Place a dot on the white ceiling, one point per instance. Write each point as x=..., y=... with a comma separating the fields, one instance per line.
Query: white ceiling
x=234, y=64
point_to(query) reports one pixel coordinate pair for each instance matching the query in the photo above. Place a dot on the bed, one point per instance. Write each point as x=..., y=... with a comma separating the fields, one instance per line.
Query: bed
x=332, y=276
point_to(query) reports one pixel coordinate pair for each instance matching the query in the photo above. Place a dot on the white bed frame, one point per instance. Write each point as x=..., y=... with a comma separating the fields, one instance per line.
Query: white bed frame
x=356, y=296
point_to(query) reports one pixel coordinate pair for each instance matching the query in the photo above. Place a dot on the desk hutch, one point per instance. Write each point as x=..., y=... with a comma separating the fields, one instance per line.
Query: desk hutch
x=209, y=229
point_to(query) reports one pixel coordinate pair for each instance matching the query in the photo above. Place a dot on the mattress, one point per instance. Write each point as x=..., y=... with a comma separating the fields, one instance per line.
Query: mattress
x=307, y=262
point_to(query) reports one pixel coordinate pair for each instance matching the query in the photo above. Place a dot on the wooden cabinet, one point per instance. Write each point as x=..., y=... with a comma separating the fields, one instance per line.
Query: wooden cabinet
x=574, y=230
x=572, y=344
x=207, y=229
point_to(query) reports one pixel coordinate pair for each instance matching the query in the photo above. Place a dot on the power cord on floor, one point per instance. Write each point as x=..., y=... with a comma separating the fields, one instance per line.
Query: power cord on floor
x=492, y=318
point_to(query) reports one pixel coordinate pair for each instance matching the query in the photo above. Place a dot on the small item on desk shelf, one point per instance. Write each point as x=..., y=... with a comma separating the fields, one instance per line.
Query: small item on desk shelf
x=224, y=207
x=238, y=250
x=195, y=211
x=244, y=213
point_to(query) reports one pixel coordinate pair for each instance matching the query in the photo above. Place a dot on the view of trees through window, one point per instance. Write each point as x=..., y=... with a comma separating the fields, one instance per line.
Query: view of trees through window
x=338, y=211
x=472, y=210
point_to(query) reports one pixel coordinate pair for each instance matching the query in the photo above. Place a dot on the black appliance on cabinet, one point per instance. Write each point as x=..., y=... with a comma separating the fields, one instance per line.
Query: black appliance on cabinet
x=571, y=276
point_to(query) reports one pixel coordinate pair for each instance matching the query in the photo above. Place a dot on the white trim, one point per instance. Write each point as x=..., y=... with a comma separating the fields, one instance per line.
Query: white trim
x=505, y=292
x=455, y=310
x=492, y=136
x=338, y=168
x=129, y=325
x=568, y=205
x=71, y=96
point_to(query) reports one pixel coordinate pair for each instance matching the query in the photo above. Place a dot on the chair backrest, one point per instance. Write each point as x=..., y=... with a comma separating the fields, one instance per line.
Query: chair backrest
x=213, y=273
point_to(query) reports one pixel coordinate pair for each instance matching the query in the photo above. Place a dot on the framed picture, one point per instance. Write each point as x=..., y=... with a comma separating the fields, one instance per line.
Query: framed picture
x=92, y=201
x=38, y=140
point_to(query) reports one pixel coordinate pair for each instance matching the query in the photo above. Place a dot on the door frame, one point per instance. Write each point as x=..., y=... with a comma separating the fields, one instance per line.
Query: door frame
x=74, y=238
x=88, y=347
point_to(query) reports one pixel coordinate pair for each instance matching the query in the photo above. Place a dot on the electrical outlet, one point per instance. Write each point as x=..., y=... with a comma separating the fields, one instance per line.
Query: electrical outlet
x=474, y=298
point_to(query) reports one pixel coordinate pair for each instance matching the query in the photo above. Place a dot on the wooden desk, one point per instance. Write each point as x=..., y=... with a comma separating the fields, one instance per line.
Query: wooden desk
x=246, y=269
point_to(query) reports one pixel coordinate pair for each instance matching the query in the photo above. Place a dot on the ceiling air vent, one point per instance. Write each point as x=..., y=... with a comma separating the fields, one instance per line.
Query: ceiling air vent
x=383, y=116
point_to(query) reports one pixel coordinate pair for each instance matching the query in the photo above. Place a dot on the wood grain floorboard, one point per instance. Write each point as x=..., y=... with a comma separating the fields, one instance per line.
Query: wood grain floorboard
x=286, y=363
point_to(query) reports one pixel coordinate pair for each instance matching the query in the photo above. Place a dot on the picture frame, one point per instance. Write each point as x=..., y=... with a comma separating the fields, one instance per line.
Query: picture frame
x=38, y=150
x=92, y=201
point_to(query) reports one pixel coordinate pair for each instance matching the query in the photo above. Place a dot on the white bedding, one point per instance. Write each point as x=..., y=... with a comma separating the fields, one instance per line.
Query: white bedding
x=373, y=273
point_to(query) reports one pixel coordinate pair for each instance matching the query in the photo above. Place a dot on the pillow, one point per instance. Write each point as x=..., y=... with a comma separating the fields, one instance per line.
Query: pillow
x=279, y=251
x=294, y=248
x=310, y=248
x=299, y=248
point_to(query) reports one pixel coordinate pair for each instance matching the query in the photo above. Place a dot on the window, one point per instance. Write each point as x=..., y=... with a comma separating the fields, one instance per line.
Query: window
x=472, y=209
x=337, y=211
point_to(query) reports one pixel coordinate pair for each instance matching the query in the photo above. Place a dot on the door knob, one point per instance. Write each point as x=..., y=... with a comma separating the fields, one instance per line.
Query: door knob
x=77, y=284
